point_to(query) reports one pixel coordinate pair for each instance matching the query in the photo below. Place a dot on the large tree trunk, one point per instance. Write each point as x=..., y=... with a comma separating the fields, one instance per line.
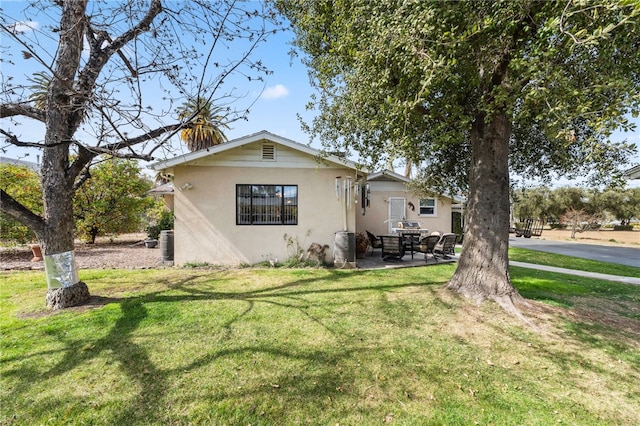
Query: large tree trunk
x=64, y=287
x=62, y=120
x=483, y=269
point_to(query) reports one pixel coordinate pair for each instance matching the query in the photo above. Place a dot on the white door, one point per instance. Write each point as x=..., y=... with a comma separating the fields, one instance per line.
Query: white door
x=397, y=212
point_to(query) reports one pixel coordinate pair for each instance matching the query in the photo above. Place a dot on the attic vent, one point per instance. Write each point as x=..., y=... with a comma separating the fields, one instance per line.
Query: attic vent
x=268, y=152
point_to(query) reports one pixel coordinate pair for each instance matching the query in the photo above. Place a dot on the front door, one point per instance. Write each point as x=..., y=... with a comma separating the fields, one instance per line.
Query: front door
x=397, y=212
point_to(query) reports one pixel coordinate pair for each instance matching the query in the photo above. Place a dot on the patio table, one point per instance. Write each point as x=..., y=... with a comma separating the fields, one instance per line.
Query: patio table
x=411, y=237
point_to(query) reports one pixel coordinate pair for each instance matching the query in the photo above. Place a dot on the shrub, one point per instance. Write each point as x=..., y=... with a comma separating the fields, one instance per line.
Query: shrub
x=165, y=222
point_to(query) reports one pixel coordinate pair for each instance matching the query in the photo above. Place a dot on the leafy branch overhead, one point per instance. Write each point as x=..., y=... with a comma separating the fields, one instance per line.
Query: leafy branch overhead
x=406, y=80
x=470, y=91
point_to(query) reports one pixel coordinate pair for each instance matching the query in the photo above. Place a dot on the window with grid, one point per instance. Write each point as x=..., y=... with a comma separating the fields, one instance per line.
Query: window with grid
x=267, y=204
x=427, y=207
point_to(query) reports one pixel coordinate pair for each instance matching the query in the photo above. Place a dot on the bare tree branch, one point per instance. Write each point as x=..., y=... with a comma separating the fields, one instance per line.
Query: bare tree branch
x=20, y=109
x=142, y=60
x=97, y=59
x=153, y=134
x=84, y=176
x=27, y=46
x=21, y=213
x=13, y=140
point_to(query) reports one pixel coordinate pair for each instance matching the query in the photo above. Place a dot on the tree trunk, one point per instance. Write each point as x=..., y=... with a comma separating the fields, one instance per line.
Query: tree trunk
x=483, y=269
x=62, y=120
x=93, y=234
x=64, y=287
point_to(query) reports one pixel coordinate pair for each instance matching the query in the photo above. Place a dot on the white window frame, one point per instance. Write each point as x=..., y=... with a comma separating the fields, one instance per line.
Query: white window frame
x=435, y=207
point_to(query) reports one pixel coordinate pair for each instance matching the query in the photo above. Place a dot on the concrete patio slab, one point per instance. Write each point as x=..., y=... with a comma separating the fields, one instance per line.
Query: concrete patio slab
x=375, y=261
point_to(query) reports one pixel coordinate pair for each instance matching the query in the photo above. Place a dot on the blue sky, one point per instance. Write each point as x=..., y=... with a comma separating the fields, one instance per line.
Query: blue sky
x=277, y=102
x=284, y=95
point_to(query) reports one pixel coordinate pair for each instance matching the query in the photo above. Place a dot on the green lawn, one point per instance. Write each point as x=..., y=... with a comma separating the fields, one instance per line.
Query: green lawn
x=561, y=261
x=313, y=346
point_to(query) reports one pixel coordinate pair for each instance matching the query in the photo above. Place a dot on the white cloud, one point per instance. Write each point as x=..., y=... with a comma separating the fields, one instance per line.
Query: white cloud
x=275, y=92
x=23, y=27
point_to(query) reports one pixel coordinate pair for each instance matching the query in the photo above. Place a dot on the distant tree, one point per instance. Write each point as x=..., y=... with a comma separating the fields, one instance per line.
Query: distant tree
x=532, y=203
x=206, y=125
x=579, y=220
x=112, y=200
x=567, y=198
x=115, y=69
x=23, y=184
x=623, y=205
x=468, y=88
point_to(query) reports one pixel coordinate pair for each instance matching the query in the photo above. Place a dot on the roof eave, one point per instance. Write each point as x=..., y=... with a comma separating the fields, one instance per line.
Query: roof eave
x=255, y=137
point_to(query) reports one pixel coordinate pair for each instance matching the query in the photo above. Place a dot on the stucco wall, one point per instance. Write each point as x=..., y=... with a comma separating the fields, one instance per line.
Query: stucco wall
x=168, y=201
x=205, y=215
x=377, y=215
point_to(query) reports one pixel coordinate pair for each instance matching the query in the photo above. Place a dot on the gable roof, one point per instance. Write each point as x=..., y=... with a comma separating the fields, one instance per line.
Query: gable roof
x=245, y=140
x=165, y=188
x=387, y=175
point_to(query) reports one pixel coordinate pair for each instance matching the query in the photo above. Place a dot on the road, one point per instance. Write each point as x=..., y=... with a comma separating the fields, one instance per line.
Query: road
x=629, y=256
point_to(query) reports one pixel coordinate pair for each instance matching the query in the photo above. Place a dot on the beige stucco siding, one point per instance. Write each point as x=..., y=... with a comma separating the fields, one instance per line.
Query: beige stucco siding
x=205, y=215
x=376, y=217
x=167, y=199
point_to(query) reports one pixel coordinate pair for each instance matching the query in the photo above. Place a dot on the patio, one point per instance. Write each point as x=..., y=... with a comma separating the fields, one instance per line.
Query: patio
x=375, y=261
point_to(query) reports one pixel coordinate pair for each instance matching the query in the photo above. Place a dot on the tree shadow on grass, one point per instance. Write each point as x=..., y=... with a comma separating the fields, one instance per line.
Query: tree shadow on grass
x=262, y=402
x=151, y=381
x=582, y=327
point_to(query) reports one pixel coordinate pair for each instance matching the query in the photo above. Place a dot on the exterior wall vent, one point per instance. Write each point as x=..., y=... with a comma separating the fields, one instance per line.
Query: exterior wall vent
x=268, y=152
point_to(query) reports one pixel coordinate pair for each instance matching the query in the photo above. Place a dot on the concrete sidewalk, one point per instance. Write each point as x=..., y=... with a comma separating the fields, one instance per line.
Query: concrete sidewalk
x=607, y=277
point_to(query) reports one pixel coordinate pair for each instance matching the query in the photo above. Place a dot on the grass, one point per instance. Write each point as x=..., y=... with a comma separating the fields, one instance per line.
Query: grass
x=561, y=261
x=316, y=346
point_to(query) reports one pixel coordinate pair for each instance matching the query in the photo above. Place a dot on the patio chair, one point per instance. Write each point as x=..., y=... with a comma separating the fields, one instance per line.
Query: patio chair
x=427, y=245
x=392, y=247
x=446, y=246
x=374, y=242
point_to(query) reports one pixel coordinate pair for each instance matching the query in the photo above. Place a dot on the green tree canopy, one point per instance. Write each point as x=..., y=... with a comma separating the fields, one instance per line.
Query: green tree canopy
x=531, y=203
x=407, y=79
x=112, y=200
x=551, y=205
x=23, y=184
x=467, y=88
x=623, y=205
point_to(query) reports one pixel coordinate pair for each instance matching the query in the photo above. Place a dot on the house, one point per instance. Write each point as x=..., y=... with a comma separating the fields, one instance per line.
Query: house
x=258, y=198
x=633, y=172
x=392, y=201
x=261, y=197
x=164, y=192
